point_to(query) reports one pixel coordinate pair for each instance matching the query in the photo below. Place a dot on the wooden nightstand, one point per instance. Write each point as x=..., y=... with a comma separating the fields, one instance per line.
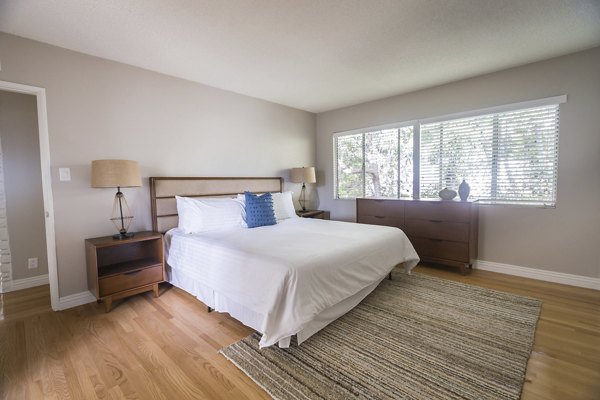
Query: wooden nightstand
x=121, y=268
x=318, y=214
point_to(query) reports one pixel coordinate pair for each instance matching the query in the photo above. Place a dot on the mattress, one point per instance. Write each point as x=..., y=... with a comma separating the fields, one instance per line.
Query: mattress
x=287, y=279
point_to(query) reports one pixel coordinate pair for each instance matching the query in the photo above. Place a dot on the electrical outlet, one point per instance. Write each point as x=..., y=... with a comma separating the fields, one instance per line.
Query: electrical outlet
x=32, y=263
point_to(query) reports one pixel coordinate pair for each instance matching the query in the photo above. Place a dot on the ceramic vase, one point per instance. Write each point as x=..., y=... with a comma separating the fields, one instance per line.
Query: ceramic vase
x=447, y=194
x=463, y=190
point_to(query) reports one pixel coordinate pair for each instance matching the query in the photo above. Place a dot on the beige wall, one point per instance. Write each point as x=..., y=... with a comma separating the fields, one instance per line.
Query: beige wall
x=23, y=183
x=564, y=239
x=102, y=109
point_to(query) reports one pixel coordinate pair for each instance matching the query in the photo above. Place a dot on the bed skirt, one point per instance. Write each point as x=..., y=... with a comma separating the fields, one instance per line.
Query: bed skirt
x=252, y=319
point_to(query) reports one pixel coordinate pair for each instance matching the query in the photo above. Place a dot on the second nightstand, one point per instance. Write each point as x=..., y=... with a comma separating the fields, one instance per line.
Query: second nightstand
x=319, y=214
x=121, y=268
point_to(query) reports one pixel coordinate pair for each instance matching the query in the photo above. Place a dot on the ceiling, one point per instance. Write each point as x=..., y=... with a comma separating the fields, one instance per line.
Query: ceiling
x=315, y=55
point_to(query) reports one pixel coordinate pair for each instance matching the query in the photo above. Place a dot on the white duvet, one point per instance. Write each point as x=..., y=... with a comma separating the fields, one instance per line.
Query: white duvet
x=291, y=271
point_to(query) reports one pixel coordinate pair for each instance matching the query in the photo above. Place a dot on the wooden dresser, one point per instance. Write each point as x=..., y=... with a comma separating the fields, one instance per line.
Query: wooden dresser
x=441, y=231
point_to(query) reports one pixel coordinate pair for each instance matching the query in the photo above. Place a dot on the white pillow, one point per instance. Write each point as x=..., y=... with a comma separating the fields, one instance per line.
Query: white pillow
x=283, y=205
x=203, y=215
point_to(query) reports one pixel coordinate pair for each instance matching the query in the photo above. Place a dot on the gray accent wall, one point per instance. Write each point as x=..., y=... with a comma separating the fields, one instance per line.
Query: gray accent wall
x=23, y=183
x=103, y=109
x=564, y=239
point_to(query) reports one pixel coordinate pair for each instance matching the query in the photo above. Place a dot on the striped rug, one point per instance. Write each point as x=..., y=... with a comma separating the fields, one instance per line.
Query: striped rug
x=416, y=337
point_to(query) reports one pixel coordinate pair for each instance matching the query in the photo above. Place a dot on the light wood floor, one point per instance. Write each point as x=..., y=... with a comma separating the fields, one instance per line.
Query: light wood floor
x=166, y=348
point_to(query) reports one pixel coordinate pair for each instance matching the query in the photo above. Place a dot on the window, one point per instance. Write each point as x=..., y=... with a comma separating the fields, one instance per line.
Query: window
x=508, y=155
x=374, y=163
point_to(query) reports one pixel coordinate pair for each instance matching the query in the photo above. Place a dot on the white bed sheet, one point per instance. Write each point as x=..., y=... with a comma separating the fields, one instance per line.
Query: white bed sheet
x=287, y=277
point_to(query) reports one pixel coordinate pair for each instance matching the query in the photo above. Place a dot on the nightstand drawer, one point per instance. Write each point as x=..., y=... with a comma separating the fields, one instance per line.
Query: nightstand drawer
x=130, y=280
x=435, y=229
x=315, y=214
x=443, y=249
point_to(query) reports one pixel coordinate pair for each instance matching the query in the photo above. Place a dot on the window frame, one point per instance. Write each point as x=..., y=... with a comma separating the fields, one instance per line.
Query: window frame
x=416, y=124
x=363, y=131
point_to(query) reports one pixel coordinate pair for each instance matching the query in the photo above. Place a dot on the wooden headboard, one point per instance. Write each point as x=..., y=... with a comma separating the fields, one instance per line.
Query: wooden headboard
x=164, y=189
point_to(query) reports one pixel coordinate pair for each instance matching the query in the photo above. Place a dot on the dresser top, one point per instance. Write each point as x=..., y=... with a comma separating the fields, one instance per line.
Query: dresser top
x=418, y=200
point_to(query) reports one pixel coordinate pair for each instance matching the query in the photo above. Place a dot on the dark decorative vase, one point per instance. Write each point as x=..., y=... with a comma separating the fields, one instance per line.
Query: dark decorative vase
x=463, y=190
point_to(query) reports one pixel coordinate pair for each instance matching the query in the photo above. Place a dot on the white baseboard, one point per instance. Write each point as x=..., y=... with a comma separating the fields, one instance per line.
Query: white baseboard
x=65, y=302
x=26, y=283
x=539, y=274
x=75, y=300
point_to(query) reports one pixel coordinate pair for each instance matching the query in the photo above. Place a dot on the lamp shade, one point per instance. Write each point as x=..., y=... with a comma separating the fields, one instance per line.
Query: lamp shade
x=115, y=173
x=304, y=175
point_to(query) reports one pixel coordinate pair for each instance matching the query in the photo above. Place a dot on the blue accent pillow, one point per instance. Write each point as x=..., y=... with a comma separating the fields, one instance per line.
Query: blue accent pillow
x=259, y=210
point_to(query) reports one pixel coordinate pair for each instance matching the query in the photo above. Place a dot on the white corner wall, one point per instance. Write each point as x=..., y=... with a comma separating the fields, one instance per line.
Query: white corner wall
x=564, y=239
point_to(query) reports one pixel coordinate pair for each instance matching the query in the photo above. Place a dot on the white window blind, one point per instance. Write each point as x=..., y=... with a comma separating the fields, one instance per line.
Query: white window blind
x=506, y=157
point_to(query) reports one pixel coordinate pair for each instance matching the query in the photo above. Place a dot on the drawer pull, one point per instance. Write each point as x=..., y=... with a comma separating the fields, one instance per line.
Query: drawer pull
x=435, y=221
x=379, y=216
x=133, y=272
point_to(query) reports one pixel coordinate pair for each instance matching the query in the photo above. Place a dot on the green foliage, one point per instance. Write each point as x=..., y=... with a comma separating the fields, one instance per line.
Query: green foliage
x=373, y=163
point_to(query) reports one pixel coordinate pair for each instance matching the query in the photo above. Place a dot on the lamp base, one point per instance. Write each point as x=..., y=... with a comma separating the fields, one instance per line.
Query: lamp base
x=121, y=221
x=123, y=236
x=302, y=199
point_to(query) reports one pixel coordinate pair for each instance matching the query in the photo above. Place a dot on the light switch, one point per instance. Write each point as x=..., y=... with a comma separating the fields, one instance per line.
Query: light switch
x=64, y=174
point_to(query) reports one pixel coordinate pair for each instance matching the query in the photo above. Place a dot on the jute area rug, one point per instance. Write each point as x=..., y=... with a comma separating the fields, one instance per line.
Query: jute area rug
x=416, y=337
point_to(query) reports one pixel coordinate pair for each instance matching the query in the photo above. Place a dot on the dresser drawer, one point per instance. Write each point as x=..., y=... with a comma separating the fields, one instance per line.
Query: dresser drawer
x=438, y=210
x=436, y=229
x=117, y=283
x=442, y=249
x=380, y=208
x=380, y=220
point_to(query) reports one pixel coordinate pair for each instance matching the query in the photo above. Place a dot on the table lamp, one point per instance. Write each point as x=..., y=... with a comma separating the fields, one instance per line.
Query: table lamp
x=117, y=173
x=303, y=175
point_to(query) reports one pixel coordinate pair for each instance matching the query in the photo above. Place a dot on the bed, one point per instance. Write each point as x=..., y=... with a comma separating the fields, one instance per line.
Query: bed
x=292, y=278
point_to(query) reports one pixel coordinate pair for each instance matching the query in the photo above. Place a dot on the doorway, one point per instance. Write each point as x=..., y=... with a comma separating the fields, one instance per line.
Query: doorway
x=46, y=180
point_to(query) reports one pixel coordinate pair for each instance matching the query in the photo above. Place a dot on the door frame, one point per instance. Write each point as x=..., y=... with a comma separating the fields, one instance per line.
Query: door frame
x=40, y=94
